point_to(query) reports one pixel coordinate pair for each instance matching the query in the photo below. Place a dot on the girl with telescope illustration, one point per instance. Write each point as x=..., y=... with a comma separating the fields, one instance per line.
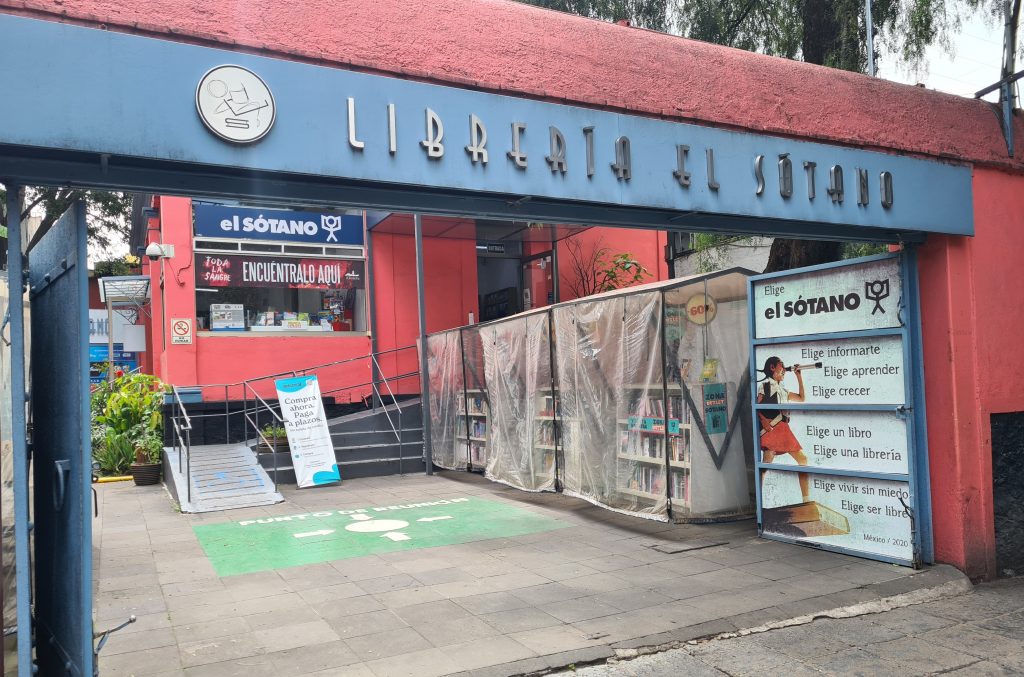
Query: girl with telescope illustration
x=776, y=435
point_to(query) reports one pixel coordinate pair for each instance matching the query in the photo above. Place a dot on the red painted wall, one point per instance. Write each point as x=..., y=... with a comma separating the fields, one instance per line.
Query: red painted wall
x=974, y=366
x=646, y=246
x=215, y=358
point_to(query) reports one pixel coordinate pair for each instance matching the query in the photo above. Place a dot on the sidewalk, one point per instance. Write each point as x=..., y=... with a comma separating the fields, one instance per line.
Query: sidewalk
x=978, y=633
x=449, y=574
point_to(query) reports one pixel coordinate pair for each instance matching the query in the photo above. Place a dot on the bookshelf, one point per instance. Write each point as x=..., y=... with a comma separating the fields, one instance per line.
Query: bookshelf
x=472, y=420
x=642, y=442
x=547, y=431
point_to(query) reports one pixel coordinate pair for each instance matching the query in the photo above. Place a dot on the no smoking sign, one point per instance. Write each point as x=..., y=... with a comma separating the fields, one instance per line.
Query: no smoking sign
x=181, y=331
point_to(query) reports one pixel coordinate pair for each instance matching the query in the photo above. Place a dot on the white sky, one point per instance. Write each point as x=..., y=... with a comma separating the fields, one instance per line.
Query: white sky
x=974, y=64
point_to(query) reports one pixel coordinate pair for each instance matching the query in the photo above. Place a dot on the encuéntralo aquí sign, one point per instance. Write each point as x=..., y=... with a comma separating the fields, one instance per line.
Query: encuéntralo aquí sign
x=309, y=439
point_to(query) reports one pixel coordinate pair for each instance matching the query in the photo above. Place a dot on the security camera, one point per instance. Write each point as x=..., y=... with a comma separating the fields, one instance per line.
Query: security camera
x=154, y=251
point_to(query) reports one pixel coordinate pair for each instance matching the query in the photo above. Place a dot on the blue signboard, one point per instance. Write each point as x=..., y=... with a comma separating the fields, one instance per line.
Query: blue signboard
x=124, y=362
x=344, y=125
x=278, y=225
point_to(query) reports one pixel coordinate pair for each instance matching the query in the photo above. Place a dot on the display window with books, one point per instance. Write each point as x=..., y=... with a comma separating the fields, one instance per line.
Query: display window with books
x=278, y=270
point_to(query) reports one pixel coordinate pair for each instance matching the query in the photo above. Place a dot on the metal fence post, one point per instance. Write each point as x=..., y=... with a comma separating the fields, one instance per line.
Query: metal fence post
x=428, y=458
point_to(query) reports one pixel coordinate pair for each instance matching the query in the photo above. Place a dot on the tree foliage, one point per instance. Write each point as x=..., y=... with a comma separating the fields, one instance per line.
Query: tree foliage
x=108, y=214
x=650, y=14
x=594, y=269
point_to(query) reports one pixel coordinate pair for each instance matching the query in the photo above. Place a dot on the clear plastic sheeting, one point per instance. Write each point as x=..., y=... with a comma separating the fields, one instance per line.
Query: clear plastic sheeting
x=613, y=404
x=640, y=413
x=707, y=370
x=444, y=355
x=523, y=426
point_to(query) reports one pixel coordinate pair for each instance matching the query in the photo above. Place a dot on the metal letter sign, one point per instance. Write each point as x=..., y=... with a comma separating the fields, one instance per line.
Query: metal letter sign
x=840, y=457
x=396, y=116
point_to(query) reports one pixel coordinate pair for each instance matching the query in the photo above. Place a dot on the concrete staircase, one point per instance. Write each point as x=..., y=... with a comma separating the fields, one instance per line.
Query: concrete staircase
x=365, y=445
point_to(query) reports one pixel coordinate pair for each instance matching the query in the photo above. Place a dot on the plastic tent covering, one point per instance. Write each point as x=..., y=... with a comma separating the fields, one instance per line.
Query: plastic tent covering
x=643, y=415
x=522, y=427
x=704, y=361
x=444, y=355
x=612, y=397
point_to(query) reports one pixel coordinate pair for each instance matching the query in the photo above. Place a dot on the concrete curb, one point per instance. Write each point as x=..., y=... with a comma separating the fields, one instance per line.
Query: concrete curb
x=938, y=582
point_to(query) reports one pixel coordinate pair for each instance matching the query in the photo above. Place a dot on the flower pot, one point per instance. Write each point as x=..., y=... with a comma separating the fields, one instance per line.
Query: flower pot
x=145, y=473
x=279, y=446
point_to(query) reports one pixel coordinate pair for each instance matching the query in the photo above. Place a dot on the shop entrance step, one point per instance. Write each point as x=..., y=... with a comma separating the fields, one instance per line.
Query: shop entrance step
x=223, y=476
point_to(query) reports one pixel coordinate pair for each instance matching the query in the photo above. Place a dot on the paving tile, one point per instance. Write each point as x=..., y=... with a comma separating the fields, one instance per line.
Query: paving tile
x=139, y=641
x=630, y=599
x=313, y=576
x=611, y=563
x=219, y=649
x=985, y=669
x=474, y=655
x=553, y=640
x=331, y=592
x=810, y=640
x=920, y=654
x=912, y=620
x=223, y=627
x=446, y=575
x=387, y=583
x=441, y=632
x=491, y=602
x=580, y=609
x=550, y=592
x=371, y=647
x=857, y=663
x=250, y=666
x=370, y=623
x=561, y=572
x=1009, y=625
x=146, y=662
x=518, y=620
x=295, y=636
x=422, y=663
x=597, y=583
x=973, y=641
x=442, y=610
x=350, y=606
x=408, y=597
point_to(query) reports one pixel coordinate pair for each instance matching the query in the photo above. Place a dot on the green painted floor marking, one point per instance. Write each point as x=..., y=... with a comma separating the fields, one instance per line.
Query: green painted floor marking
x=272, y=543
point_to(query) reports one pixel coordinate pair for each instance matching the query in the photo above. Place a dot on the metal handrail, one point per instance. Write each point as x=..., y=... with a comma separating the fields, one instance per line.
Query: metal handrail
x=294, y=372
x=399, y=432
x=252, y=416
x=183, y=444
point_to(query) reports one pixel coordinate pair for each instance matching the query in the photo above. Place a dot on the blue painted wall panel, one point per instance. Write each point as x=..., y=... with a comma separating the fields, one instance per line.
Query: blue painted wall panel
x=128, y=95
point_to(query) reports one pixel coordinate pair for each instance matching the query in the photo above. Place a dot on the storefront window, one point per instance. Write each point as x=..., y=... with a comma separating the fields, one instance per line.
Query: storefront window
x=241, y=292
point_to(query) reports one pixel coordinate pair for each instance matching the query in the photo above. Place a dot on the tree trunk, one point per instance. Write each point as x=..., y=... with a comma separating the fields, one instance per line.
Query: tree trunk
x=786, y=254
x=821, y=34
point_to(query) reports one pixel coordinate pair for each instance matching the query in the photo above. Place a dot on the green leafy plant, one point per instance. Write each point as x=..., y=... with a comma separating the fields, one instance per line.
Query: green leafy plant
x=127, y=422
x=274, y=434
x=148, y=448
x=115, y=453
x=594, y=269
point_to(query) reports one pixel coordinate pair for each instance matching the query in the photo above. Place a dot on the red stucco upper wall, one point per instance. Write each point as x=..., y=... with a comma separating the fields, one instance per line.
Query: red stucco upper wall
x=504, y=46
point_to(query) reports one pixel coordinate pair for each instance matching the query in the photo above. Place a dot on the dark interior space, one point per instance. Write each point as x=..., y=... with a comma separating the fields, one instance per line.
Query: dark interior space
x=1008, y=491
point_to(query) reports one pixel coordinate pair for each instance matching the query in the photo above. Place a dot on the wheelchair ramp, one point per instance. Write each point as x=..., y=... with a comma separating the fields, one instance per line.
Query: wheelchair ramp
x=223, y=477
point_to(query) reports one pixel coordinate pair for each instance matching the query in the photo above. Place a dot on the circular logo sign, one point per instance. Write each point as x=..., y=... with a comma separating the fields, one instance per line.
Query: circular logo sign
x=235, y=104
x=701, y=309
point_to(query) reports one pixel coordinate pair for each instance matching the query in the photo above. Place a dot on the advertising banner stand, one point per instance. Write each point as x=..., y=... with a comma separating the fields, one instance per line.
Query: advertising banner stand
x=309, y=439
x=837, y=392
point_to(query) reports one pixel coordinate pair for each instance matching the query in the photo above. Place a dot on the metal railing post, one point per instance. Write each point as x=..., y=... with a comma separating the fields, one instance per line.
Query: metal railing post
x=227, y=418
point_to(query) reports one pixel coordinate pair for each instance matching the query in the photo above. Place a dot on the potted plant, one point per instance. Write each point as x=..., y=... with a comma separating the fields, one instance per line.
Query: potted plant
x=146, y=468
x=274, y=437
x=128, y=425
